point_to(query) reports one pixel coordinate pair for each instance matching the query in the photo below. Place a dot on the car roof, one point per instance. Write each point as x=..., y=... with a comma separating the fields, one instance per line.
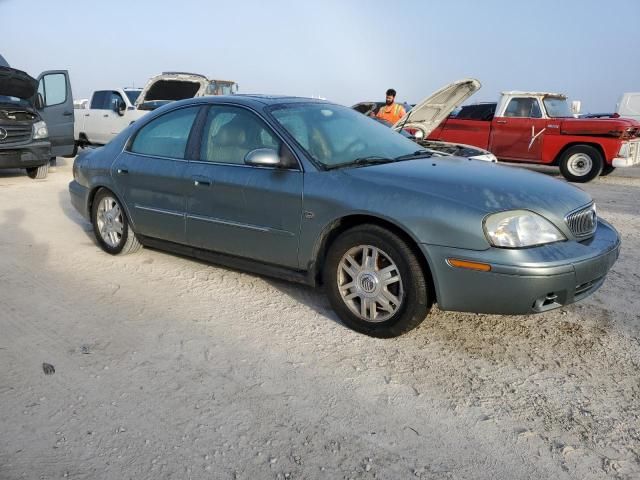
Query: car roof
x=255, y=100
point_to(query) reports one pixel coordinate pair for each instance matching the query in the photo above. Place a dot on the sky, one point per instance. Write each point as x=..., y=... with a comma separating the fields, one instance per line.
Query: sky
x=345, y=51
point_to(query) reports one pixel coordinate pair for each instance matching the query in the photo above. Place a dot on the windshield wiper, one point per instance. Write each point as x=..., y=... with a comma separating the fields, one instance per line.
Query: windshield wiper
x=416, y=154
x=361, y=161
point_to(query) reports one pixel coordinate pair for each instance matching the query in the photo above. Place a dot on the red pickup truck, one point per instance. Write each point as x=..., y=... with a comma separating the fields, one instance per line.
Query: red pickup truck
x=538, y=127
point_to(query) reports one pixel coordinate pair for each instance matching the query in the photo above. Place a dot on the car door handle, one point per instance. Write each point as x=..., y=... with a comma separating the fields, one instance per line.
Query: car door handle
x=67, y=113
x=201, y=181
x=122, y=171
x=87, y=114
x=106, y=115
x=501, y=121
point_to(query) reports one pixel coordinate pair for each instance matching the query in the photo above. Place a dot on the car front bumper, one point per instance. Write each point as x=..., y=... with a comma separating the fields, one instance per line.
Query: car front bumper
x=27, y=155
x=79, y=198
x=524, y=281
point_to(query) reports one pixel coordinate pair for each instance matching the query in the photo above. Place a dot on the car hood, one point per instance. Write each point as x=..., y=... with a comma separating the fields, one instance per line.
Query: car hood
x=609, y=127
x=173, y=86
x=16, y=83
x=481, y=186
x=431, y=111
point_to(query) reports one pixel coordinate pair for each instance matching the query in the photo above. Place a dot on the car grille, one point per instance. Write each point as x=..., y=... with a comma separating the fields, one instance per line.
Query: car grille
x=634, y=150
x=14, y=134
x=583, y=222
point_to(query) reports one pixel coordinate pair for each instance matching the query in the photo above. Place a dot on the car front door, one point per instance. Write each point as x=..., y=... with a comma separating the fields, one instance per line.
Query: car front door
x=150, y=175
x=519, y=133
x=55, y=88
x=237, y=209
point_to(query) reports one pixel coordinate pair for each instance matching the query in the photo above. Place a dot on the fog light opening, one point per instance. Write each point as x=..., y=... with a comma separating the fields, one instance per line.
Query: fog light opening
x=546, y=302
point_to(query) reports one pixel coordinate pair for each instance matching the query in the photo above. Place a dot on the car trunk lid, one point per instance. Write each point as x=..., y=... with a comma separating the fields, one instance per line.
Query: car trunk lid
x=170, y=86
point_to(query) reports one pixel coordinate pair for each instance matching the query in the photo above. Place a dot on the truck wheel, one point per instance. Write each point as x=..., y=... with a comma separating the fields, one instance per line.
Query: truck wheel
x=607, y=169
x=375, y=283
x=38, y=172
x=581, y=163
x=111, y=225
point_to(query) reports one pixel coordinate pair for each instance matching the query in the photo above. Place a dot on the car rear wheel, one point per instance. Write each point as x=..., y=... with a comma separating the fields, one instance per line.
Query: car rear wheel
x=375, y=283
x=581, y=163
x=38, y=173
x=111, y=225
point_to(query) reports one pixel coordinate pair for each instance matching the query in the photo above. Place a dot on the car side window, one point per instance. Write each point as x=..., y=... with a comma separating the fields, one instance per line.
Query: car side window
x=167, y=135
x=523, y=108
x=53, y=88
x=231, y=132
x=100, y=100
x=114, y=99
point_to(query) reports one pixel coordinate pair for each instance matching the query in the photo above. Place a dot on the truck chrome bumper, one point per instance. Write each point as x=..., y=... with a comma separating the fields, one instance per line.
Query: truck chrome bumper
x=619, y=162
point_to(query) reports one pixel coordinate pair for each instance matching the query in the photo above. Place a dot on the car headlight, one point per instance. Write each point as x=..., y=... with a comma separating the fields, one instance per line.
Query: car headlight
x=40, y=130
x=624, y=150
x=519, y=229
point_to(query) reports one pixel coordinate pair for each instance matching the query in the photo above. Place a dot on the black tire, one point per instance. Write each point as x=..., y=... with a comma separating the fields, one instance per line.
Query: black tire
x=38, y=173
x=126, y=242
x=607, y=169
x=581, y=163
x=416, y=299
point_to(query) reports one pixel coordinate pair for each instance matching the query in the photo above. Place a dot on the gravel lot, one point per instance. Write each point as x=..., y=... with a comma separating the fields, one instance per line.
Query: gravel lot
x=169, y=368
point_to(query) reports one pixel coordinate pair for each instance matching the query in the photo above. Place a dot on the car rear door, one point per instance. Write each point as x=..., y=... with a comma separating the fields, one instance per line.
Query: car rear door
x=518, y=135
x=237, y=209
x=55, y=88
x=150, y=174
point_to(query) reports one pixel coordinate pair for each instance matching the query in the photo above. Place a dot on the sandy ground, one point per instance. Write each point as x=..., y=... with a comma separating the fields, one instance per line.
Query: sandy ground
x=168, y=368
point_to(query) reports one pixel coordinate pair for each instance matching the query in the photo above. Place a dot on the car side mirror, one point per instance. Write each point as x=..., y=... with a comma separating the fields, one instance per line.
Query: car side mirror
x=119, y=107
x=263, y=157
x=39, y=102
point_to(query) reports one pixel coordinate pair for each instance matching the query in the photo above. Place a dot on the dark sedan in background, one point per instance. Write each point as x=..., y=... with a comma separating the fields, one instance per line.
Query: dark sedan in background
x=315, y=192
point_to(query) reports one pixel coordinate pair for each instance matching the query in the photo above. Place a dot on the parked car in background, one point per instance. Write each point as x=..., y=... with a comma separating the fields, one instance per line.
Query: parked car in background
x=111, y=110
x=629, y=105
x=315, y=192
x=538, y=127
x=422, y=118
x=36, y=119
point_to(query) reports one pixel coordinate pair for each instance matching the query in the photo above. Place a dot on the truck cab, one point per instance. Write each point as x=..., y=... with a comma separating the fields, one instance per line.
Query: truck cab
x=36, y=119
x=108, y=113
x=539, y=127
x=111, y=111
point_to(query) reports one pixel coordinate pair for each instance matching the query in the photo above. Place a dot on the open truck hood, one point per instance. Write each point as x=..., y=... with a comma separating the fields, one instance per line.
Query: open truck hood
x=16, y=83
x=429, y=113
x=170, y=86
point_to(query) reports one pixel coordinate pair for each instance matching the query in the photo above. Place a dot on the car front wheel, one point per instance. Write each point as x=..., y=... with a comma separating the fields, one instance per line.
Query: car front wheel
x=38, y=173
x=111, y=226
x=375, y=283
x=581, y=163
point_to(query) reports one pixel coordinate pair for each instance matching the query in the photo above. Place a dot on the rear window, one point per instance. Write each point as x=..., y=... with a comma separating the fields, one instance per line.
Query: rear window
x=482, y=111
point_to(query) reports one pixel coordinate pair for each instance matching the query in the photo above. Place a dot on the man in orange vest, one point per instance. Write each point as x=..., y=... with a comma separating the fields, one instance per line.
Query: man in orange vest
x=391, y=112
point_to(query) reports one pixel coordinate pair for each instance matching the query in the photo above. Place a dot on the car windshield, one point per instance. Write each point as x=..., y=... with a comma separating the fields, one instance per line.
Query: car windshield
x=336, y=136
x=133, y=95
x=219, y=88
x=557, y=107
x=13, y=101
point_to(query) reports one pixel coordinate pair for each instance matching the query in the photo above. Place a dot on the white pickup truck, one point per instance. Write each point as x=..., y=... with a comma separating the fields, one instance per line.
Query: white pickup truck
x=111, y=111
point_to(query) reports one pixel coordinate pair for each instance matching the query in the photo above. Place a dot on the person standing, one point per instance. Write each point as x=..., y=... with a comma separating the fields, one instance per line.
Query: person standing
x=391, y=111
